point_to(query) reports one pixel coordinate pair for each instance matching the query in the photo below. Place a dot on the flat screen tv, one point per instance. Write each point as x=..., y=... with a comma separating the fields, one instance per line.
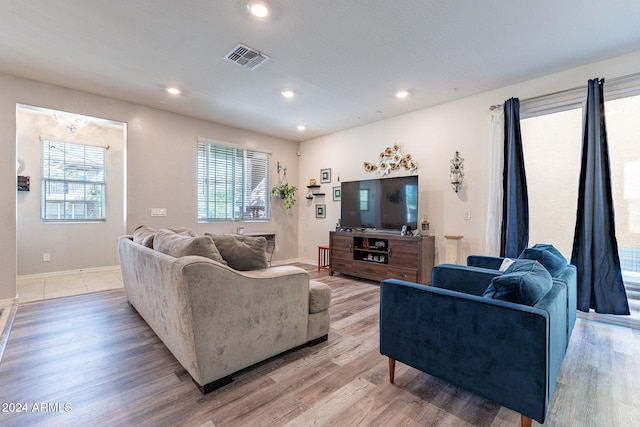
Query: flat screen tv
x=380, y=204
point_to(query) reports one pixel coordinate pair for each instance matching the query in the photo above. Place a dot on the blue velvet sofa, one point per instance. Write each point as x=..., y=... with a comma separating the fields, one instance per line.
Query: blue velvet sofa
x=504, y=351
x=568, y=275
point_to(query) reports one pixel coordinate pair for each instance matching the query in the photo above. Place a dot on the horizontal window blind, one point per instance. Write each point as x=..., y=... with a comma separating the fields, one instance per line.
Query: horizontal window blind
x=233, y=183
x=73, y=182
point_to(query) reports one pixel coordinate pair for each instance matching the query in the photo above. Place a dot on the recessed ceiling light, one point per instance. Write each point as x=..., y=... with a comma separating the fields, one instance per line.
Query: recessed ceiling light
x=259, y=8
x=174, y=91
x=402, y=94
x=302, y=127
x=288, y=93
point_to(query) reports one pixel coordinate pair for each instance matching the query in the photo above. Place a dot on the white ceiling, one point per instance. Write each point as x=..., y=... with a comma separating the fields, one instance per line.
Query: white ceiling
x=345, y=58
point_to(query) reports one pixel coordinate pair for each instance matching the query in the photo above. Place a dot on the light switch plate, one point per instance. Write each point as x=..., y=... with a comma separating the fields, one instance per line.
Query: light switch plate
x=158, y=211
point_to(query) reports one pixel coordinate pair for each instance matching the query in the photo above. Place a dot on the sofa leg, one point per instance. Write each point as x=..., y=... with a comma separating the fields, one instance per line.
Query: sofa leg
x=392, y=369
x=525, y=421
x=214, y=385
x=318, y=340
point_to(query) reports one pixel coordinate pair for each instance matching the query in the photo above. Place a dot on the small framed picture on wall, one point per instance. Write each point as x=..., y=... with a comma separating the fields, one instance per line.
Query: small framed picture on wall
x=337, y=193
x=321, y=211
x=325, y=176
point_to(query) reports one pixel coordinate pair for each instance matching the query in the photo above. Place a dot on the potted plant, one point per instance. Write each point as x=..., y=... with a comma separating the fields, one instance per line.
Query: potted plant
x=285, y=192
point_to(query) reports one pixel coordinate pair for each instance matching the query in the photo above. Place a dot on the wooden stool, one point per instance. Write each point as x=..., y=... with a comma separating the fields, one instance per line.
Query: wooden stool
x=323, y=258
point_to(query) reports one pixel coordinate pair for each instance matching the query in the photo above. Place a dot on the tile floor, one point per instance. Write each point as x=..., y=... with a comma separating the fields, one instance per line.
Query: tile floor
x=32, y=288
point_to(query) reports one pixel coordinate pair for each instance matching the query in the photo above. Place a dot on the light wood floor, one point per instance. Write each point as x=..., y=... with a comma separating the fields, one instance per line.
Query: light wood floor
x=91, y=360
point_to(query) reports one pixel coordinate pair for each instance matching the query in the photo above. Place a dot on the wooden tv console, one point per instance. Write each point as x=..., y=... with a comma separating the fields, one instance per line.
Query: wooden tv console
x=379, y=255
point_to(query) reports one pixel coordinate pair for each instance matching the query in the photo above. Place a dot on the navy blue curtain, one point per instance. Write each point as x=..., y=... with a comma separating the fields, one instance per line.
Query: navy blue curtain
x=515, y=203
x=595, y=249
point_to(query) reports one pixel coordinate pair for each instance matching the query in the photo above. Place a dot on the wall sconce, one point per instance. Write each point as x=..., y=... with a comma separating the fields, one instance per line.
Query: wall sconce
x=457, y=174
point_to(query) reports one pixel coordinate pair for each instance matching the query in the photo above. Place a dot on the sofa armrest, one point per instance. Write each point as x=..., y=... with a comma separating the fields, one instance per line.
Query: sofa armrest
x=482, y=261
x=569, y=277
x=495, y=349
x=469, y=280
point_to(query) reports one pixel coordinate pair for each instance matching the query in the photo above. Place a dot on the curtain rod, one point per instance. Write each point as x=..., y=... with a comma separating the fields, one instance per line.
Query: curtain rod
x=560, y=92
x=90, y=144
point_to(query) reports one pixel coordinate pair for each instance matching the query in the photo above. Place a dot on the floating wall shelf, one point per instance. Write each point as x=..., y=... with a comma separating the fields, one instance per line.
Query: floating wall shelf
x=312, y=193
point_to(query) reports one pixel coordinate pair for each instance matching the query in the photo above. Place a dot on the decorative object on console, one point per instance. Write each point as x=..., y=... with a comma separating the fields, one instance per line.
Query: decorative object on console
x=457, y=174
x=391, y=159
x=283, y=190
x=424, y=227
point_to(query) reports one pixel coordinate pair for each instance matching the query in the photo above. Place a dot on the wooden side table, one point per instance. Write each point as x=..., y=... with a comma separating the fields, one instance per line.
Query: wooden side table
x=323, y=258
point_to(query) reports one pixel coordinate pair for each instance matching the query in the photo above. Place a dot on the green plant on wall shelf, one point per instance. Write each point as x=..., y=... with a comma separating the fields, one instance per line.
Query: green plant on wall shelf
x=283, y=190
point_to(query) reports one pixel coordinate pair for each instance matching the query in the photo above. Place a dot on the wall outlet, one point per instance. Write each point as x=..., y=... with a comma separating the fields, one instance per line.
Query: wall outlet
x=46, y=257
x=158, y=211
x=277, y=248
x=467, y=215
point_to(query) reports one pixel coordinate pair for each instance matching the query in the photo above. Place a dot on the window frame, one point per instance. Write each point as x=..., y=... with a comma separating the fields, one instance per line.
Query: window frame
x=238, y=166
x=49, y=180
x=567, y=100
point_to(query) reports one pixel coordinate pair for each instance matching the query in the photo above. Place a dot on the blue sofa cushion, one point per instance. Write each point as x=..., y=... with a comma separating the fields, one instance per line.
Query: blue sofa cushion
x=548, y=256
x=524, y=282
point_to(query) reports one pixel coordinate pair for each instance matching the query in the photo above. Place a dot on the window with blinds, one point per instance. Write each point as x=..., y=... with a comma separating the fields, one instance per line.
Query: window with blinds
x=73, y=182
x=233, y=183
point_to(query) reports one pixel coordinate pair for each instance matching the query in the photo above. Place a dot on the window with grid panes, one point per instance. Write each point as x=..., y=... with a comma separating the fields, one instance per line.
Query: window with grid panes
x=233, y=183
x=73, y=182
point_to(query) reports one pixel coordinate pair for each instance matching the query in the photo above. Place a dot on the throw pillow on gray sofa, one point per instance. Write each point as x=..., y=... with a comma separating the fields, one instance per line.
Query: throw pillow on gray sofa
x=143, y=235
x=242, y=253
x=178, y=245
x=185, y=231
x=524, y=282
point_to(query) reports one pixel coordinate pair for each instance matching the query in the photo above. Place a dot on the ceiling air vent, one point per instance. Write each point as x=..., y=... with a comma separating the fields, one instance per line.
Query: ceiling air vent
x=246, y=56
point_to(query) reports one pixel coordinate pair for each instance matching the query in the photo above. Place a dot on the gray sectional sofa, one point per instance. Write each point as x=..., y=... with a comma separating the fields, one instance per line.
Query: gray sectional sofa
x=217, y=320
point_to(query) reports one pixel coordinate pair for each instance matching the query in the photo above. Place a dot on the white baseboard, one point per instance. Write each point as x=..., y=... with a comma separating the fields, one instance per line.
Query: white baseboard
x=63, y=273
x=8, y=302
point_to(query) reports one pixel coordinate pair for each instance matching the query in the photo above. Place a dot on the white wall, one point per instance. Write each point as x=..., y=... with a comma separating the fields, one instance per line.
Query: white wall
x=161, y=172
x=432, y=136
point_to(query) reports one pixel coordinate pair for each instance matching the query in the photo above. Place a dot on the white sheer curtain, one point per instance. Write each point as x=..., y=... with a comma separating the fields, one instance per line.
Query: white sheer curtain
x=496, y=166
